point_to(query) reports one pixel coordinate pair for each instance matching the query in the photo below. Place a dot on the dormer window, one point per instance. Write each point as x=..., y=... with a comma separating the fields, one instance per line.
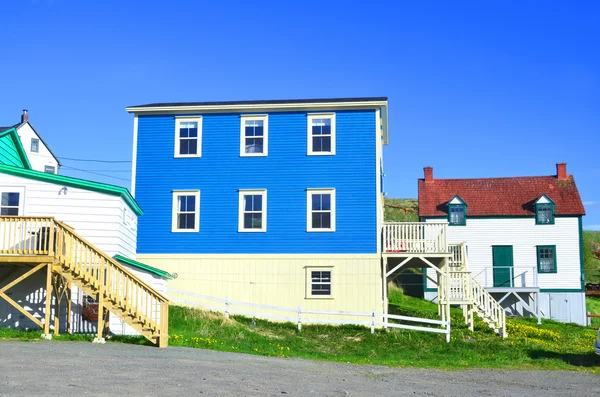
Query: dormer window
x=457, y=212
x=544, y=211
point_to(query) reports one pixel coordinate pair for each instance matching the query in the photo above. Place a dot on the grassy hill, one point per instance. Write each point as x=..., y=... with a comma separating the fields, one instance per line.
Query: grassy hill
x=401, y=210
x=591, y=245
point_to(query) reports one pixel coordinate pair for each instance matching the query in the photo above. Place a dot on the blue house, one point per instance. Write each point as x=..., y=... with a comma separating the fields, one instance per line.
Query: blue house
x=269, y=202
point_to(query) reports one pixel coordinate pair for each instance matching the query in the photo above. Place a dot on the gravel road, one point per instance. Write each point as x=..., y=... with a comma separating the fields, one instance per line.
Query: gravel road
x=85, y=369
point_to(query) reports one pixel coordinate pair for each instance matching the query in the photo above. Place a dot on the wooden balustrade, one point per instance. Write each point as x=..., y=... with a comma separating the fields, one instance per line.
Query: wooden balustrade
x=415, y=237
x=115, y=284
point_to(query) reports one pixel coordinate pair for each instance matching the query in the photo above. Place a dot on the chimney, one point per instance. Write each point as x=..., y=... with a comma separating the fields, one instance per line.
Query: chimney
x=24, y=116
x=561, y=171
x=428, y=174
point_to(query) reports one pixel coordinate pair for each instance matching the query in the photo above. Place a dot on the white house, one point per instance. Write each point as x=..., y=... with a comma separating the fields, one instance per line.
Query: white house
x=38, y=152
x=523, y=238
x=101, y=214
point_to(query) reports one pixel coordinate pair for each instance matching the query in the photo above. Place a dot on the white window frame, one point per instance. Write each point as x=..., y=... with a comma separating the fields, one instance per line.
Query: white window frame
x=309, y=282
x=309, y=194
x=178, y=121
x=310, y=118
x=261, y=117
x=14, y=189
x=254, y=192
x=175, y=211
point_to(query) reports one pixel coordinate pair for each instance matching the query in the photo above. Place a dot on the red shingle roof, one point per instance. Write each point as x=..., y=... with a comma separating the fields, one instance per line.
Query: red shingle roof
x=499, y=196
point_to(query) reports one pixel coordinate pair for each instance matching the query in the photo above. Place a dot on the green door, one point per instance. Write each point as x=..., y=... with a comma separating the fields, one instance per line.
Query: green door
x=502, y=256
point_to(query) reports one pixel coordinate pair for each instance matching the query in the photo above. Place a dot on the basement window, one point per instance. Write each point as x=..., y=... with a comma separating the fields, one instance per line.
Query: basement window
x=320, y=283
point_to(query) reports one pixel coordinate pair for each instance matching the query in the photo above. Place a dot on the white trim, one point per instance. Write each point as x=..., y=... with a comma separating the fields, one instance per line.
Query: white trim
x=178, y=120
x=309, y=283
x=255, y=192
x=174, y=211
x=261, y=117
x=379, y=164
x=309, y=119
x=544, y=200
x=309, y=193
x=283, y=107
x=15, y=189
x=456, y=200
x=134, y=155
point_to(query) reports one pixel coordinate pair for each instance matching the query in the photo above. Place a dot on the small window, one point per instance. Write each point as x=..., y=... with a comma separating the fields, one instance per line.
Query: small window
x=321, y=210
x=35, y=145
x=321, y=134
x=544, y=214
x=254, y=135
x=320, y=282
x=9, y=204
x=457, y=214
x=188, y=137
x=50, y=169
x=253, y=211
x=546, y=258
x=186, y=211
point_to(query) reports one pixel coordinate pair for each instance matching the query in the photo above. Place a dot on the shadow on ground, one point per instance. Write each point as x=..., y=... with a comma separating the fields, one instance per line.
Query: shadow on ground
x=578, y=360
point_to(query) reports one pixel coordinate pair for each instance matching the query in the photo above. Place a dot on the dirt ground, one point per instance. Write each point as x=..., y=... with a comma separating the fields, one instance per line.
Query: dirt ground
x=85, y=369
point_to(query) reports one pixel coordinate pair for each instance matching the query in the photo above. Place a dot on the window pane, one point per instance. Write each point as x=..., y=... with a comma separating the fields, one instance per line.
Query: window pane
x=257, y=202
x=254, y=145
x=326, y=202
x=326, y=144
x=317, y=144
x=316, y=202
x=253, y=221
x=316, y=220
x=10, y=199
x=326, y=220
x=9, y=211
x=184, y=146
x=192, y=146
x=326, y=277
x=186, y=221
x=191, y=203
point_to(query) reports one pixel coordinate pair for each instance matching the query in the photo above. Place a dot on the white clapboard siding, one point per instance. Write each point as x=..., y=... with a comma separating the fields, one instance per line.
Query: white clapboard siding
x=97, y=217
x=524, y=235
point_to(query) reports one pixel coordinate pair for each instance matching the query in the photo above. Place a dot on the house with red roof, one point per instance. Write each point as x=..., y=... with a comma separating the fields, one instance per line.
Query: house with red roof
x=523, y=238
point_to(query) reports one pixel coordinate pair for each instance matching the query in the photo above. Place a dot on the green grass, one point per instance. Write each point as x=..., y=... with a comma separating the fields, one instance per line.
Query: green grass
x=529, y=346
x=401, y=210
x=593, y=306
x=591, y=245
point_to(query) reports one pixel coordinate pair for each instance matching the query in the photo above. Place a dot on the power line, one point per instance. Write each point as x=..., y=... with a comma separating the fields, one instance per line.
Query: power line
x=95, y=173
x=96, y=161
x=94, y=170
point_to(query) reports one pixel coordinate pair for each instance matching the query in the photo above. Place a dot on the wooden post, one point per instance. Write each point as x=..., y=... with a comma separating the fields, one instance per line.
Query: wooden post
x=69, y=309
x=48, y=301
x=163, y=340
x=447, y=292
x=385, y=286
x=100, y=325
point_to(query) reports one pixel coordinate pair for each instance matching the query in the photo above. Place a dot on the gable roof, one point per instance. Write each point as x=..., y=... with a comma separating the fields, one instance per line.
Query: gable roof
x=499, y=196
x=74, y=182
x=11, y=150
x=142, y=266
x=17, y=126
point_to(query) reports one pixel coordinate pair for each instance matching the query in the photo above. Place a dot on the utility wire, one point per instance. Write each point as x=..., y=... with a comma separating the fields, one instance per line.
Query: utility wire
x=95, y=173
x=96, y=161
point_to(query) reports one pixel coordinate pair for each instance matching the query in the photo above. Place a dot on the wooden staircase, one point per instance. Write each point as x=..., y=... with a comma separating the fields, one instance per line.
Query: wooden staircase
x=466, y=291
x=71, y=260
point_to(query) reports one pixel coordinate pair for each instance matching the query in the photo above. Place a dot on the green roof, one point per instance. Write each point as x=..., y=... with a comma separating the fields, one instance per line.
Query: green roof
x=142, y=266
x=11, y=150
x=74, y=182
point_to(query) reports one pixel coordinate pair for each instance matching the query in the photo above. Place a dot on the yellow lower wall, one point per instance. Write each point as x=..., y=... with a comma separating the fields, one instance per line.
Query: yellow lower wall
x=276, y=280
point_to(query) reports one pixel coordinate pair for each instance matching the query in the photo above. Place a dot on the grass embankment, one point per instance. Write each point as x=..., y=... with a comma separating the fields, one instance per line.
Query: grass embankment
x=401, y=210
x=529, y=346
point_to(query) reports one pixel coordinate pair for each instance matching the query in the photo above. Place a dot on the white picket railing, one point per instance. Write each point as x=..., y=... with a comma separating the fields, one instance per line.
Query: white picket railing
x=415, y=237
x=303, y=316
x=508, y=277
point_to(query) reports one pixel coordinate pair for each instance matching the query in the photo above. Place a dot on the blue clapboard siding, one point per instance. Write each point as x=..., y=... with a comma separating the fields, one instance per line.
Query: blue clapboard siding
x=286, y=174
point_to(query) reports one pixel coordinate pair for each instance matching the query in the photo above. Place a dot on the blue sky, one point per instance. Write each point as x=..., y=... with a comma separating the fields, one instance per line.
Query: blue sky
x=476, y=89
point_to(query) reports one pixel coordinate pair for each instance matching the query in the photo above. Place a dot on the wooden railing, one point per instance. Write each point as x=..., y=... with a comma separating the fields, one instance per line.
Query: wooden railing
x=132, y=297
x=465, y=290
x=458, y=260
x=415, y=237
x=509, y=277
